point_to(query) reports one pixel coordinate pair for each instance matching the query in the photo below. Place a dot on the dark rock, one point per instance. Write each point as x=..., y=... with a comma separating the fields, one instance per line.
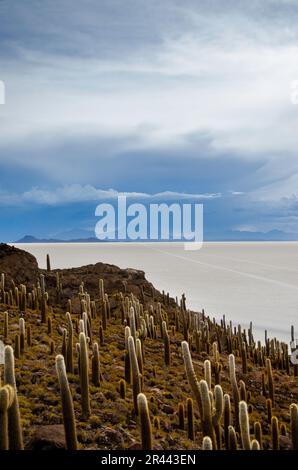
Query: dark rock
x=17, y=265
x=48, y=437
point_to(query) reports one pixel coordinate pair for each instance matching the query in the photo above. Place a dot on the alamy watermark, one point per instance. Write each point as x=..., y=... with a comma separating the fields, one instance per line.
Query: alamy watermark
x=2, y=92
x=151, y=222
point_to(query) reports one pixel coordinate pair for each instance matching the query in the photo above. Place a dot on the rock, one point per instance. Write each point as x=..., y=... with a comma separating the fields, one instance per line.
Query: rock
x=17, y=265
x=48, y=437
x=110, y=439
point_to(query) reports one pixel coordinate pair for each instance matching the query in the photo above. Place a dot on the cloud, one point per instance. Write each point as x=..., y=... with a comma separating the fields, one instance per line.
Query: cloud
x=77, y=193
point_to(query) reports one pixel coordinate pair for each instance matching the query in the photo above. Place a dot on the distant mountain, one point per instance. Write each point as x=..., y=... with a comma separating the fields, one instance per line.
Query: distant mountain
x=31, y=239
x=236, y=235
x=245, y=236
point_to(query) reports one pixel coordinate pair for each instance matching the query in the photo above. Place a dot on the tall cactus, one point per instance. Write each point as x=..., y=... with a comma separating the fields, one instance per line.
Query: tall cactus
x=84, y=376
x=227, y=418
x=270, y=381
x=208, y=429
x=207, y=372
x=6, y=400
x=14, y=419
x=67, y=405
x=244, y=426
x=190, y=419
x=146, y=428
x=166, y=339
x=294, y=425
x=95, y=365
x=135, y=372
x=22, y=335
x=69, y=346
x=235, y=390
x=191, y=375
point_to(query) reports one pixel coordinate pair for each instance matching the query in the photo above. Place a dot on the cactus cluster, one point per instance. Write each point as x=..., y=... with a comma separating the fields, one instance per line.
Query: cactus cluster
x=122, y=351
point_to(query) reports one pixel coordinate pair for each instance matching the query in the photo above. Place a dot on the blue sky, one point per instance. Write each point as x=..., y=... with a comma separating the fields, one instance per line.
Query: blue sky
x=147, y=96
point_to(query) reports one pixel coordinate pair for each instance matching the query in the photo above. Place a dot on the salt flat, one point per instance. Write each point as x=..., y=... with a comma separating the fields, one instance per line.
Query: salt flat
x=246, y=281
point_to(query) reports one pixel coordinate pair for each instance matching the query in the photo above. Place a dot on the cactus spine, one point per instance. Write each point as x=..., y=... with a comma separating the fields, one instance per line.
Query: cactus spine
x=146, y=428
x=14, y=420
x=67, y=405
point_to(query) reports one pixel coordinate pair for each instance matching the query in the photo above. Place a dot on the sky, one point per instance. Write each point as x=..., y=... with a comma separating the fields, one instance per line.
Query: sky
x=150, y=97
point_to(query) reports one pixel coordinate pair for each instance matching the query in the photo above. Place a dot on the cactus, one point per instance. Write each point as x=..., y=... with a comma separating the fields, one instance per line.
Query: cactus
x=227, y=418
x=232, y=438
x=190, y=419
x=67, y=405
x=166, y=339
x=255, y=445
x=64, y=343
x=207, y=443
x=216, y=419
x=122, y=388
x=84, y=376
x=48, y=263
x=244, y=426
x=294, y=425
x=69, y=346
x=258, y=433
x=146, y=429
x=207, y=372
x=6, y=399
x=140, y=356
x=17, y=348
x=14, y=421
x=134, y=367
x=269, y=409
x=191, y=375
x=242, y=391
x=270, y=381
x=181, y=414
x=95, y=366
x=235, y=390
x=22, y=335
x=208, y=429
x=275, y=433
x=5, y=326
